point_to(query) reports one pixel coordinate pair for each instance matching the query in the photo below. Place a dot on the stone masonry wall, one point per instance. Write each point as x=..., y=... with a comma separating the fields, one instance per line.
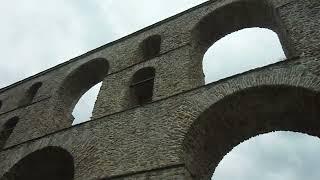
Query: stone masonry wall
x=151, y=136
x=125, y=141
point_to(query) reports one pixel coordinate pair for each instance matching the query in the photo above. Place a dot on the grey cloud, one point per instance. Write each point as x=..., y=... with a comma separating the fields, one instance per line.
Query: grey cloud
x=277, y=156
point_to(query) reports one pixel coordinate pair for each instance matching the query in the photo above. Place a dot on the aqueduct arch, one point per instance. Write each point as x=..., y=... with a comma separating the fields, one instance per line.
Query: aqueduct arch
x=51, y=163
x=235, y=16
x=77, y=82
x=232, y=17
x=245, y=114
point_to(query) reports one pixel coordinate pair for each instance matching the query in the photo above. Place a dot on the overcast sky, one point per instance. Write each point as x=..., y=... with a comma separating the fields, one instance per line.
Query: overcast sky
x=38, y=34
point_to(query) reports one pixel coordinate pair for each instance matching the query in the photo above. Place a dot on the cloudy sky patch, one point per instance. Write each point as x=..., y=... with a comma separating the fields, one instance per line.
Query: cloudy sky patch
x=277, y=156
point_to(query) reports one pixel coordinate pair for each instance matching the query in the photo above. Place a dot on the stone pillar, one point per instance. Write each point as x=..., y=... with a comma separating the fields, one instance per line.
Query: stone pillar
x=301, y=20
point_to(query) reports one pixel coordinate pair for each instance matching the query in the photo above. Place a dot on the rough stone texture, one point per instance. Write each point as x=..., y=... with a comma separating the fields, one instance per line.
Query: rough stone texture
x=171, y=172
x=168, y=138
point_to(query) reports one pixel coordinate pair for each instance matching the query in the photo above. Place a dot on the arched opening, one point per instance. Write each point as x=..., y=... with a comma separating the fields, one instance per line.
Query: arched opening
x=30, y=94
x=50, y=163
x=241, y=51
x=231, y=18
x=142, y=86
x=245, y=114
x=151, y=47
x=77, y=83
x=277, y=156
x=7, y=130
x=83, y=109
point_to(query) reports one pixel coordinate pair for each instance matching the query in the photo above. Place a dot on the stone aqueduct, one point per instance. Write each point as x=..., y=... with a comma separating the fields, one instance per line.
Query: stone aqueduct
x=154, y=117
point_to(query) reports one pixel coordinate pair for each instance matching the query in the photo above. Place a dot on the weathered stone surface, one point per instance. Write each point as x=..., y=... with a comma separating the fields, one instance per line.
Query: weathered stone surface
x=170, y=137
